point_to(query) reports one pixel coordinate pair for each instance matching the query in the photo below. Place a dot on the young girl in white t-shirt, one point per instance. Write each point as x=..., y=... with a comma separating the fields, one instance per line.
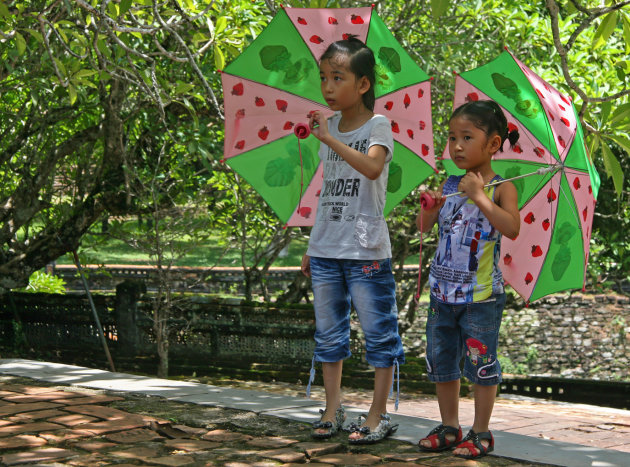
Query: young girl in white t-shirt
x=349, y=253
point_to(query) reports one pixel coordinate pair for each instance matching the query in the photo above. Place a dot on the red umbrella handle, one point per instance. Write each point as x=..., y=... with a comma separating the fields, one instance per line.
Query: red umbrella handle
x=426, y=201
x=302, y=130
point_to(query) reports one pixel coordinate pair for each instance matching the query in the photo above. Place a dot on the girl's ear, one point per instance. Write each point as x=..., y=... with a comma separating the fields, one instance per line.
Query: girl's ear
x=364, y=85
x=494, y=143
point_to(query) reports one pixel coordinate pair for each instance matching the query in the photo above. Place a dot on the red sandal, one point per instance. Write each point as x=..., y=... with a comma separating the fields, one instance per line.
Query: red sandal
x=438, y=439
x=472, y=442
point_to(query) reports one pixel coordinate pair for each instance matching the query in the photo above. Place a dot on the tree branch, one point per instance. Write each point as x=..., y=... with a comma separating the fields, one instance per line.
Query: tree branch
x=563, y=50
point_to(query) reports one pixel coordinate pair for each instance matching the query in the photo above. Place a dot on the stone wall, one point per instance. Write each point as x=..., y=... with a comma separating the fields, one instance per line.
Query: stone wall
x=577, y=335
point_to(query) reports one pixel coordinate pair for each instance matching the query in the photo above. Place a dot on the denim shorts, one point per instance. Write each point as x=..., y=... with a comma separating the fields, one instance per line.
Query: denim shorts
x=468, y=330
x=367, y=284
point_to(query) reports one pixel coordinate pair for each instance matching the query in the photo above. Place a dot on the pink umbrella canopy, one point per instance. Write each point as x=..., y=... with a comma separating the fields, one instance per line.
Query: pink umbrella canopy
x=558, y=200
x=274, y=85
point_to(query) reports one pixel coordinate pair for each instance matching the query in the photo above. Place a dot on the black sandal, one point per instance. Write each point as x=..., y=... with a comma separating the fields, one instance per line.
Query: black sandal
x=332, y=428
x=438, y=439
x=473, y=441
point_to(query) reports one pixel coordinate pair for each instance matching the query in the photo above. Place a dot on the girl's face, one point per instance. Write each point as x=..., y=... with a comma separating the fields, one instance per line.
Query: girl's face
x=470, y=147
x=340, y=86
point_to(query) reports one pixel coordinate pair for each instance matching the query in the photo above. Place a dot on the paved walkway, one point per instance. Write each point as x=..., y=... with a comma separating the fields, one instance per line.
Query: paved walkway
x=68, y=415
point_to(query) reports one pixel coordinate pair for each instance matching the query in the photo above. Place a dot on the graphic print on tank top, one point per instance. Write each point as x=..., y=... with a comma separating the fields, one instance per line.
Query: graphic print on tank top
x=465, y=268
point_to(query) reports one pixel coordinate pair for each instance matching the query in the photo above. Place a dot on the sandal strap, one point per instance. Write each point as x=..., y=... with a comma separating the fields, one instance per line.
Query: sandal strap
x=473, y=440
x=319, y=424
x=383, y=430
x=438, y=434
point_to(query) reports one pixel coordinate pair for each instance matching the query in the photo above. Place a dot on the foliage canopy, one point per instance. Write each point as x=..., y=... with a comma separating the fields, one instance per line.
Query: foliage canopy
x=90, y=89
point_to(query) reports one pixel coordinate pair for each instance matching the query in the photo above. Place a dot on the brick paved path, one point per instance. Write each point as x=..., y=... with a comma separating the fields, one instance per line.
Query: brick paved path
x=587, y=425
x=59, y=426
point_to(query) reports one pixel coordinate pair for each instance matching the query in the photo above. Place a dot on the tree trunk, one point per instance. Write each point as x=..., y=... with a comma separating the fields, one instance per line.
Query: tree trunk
x=160, y=327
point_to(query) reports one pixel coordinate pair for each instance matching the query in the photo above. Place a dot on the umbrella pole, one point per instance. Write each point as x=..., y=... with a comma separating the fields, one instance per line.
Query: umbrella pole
x=101, y=334
x=427, y=202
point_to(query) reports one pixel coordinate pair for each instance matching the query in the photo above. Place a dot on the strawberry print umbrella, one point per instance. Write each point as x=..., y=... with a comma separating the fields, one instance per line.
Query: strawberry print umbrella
x=274, y=85
x=557, y=201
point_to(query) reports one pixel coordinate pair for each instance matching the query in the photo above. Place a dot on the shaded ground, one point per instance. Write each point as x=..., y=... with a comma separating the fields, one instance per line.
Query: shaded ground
x=44, y=424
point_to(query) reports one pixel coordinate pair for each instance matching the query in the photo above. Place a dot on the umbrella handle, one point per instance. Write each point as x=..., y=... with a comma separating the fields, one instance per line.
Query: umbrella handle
x=427, y=202
x=302, y=130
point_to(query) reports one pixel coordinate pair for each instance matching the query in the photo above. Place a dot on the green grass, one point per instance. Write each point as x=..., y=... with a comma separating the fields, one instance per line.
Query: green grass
x=97, y=248
x=208, y=254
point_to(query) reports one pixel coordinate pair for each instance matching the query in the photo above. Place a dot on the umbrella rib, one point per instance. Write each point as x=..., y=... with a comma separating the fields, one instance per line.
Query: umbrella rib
x=540, y=171
x=574, y=212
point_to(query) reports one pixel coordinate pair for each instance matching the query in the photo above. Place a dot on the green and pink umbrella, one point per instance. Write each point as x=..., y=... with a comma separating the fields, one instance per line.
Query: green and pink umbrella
x=273, y=86
x=558, y=200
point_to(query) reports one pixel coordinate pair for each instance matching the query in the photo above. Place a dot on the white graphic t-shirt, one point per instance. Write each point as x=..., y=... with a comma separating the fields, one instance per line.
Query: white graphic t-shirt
x=350, y=222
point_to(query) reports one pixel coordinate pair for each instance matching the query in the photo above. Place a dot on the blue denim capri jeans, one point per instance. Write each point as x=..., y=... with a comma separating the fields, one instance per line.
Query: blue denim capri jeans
x=469, y=330
x=367, y=284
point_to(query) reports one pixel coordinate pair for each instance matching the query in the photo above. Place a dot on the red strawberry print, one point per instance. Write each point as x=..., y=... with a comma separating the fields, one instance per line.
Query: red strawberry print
x=512, y=127
x=517, y=149
x=551, y=116
x=565, y=121
x=332, y=20
x=536, y=251
x=345, y=36
x=301, y=20
x=551, y=195
x=562, y=142
x=507, y=259
x=576, y=183
x=529, y=218
x=472, y=96
x=546, y=87
x=318, y=193
x=546, y=224
x=539, y=151
x=240, y=144
x=282, y=105
x=562, y=107
x=529, y=278
x=237, y=89
x=288, y=126
x=240, y=113
x=420, y=93
x=260, y=102
x=540, y=93
x=389, y=105
x=315, y=39
x=585, y=214
x=305, y=212
x=354, y=19
x=590, y=190
x=263, y=133
x=422, y=125
x=407, y=101
x=425, y=150
x=395, y=128
x=410, y=133
x=564, y=99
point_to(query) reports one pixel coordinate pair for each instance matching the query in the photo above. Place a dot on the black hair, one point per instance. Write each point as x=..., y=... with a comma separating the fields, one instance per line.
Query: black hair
x=362, y=62
x=489, y=117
